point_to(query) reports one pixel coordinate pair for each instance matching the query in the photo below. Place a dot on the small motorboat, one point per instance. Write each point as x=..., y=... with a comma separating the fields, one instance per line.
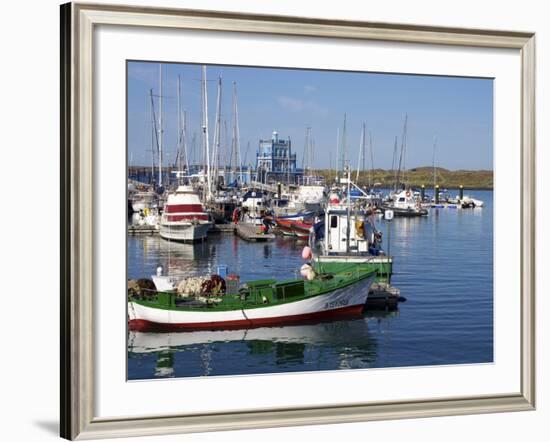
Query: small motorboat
x=294, y=227
x=405, y=204
x=467, y=202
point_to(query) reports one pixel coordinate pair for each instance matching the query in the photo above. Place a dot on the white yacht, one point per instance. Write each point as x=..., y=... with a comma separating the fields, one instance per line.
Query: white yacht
x=184, y=217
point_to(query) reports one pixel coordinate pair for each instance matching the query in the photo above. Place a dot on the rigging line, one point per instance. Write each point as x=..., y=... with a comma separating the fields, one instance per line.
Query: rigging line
x=244, y=314
x=154, y=123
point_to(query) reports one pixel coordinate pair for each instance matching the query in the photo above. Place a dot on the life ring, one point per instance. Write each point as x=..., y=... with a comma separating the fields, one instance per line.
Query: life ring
x=408, y=193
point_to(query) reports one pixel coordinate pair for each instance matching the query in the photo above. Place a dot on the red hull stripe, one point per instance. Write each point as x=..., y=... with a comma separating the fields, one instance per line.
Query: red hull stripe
x=174, y=208
x=186, y=217
x=295, y=227
x=143, y=325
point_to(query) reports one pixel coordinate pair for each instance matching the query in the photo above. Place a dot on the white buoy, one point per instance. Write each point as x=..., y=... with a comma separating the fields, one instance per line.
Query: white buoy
x=159, y=271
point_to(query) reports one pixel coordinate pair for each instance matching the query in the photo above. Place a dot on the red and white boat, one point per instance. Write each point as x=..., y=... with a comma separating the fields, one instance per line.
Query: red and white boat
x=294, y=227
x=184, y=217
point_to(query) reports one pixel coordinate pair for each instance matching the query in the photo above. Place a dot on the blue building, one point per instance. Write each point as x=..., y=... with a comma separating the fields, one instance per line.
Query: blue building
x=275, y=161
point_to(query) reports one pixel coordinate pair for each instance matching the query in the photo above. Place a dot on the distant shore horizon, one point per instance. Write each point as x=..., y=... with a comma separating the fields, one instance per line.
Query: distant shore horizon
x=414, y=177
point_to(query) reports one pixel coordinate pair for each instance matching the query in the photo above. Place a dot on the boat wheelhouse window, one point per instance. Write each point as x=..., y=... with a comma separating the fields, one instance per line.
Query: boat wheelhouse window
x=333, y=221
x=401, y=199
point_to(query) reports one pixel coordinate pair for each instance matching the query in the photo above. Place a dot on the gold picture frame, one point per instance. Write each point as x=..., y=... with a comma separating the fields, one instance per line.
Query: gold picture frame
x=77, y=390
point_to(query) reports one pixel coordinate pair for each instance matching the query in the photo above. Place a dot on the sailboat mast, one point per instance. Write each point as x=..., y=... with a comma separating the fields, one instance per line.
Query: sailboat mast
x=193, y=151
x=361, y=159
x=312, y=155
x=344, y=146
x=178, y=95
x=217, y=131
x=205, y=131
x=184, y=141
x=433, y=163
x=288, y=164
x=403, y=153
x=394, y=166
x=236, y=144
x=405, y=150
x=364, y=150
x=153, y=133
x=160, y=125
x=329, y=166
x=371, y=174
x=234, y=170
x=226, y=151
x=348, y=169
x=306, y=157
x=337, y=153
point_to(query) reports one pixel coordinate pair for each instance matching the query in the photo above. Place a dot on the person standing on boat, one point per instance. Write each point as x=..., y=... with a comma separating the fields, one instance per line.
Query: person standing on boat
x=236, y=215
x=266, y=225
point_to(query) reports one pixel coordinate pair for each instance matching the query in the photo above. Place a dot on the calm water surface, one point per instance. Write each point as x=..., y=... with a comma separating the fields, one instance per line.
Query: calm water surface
x=443, y=265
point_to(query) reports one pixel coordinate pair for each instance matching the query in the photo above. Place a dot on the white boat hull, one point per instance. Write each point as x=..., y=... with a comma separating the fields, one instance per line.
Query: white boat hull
x=346, y=300
x=185, y=231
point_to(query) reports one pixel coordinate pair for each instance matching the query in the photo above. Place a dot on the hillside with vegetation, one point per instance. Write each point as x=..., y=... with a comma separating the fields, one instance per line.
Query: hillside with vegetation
x=418, y=176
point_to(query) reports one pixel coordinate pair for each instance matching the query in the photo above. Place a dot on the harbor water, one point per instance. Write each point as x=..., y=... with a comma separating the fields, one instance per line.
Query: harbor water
x=443, y=265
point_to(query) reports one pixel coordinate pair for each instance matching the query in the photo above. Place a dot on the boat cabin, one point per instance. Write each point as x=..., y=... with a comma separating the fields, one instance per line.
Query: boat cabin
x=349, y=233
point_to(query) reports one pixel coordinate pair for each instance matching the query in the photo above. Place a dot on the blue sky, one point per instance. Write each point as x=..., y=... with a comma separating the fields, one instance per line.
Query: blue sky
x=457, y=111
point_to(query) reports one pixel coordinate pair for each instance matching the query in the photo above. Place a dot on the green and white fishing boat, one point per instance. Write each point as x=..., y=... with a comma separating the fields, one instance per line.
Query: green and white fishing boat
x=256, y=303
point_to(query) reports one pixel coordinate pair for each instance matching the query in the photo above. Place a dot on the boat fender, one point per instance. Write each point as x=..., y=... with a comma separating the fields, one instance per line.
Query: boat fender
x=306, y=252
x=307, y=272
x=264, y=299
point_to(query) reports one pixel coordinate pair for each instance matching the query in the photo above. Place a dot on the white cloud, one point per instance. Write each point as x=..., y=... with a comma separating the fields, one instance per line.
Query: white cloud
x=291, y=104
x=297, y=105
x=308, y=88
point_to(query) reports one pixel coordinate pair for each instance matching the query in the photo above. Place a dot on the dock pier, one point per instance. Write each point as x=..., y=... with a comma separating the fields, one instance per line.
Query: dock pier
x=383, y=296
x=142, y=230
x=250, y=232
x=222, y=228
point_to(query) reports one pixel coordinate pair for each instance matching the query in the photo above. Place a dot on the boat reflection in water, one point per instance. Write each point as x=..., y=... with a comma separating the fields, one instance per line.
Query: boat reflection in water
x=338, y=344
x=179, y=259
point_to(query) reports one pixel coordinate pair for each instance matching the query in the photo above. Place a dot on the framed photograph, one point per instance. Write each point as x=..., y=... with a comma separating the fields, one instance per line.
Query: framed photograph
x=277, y=220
